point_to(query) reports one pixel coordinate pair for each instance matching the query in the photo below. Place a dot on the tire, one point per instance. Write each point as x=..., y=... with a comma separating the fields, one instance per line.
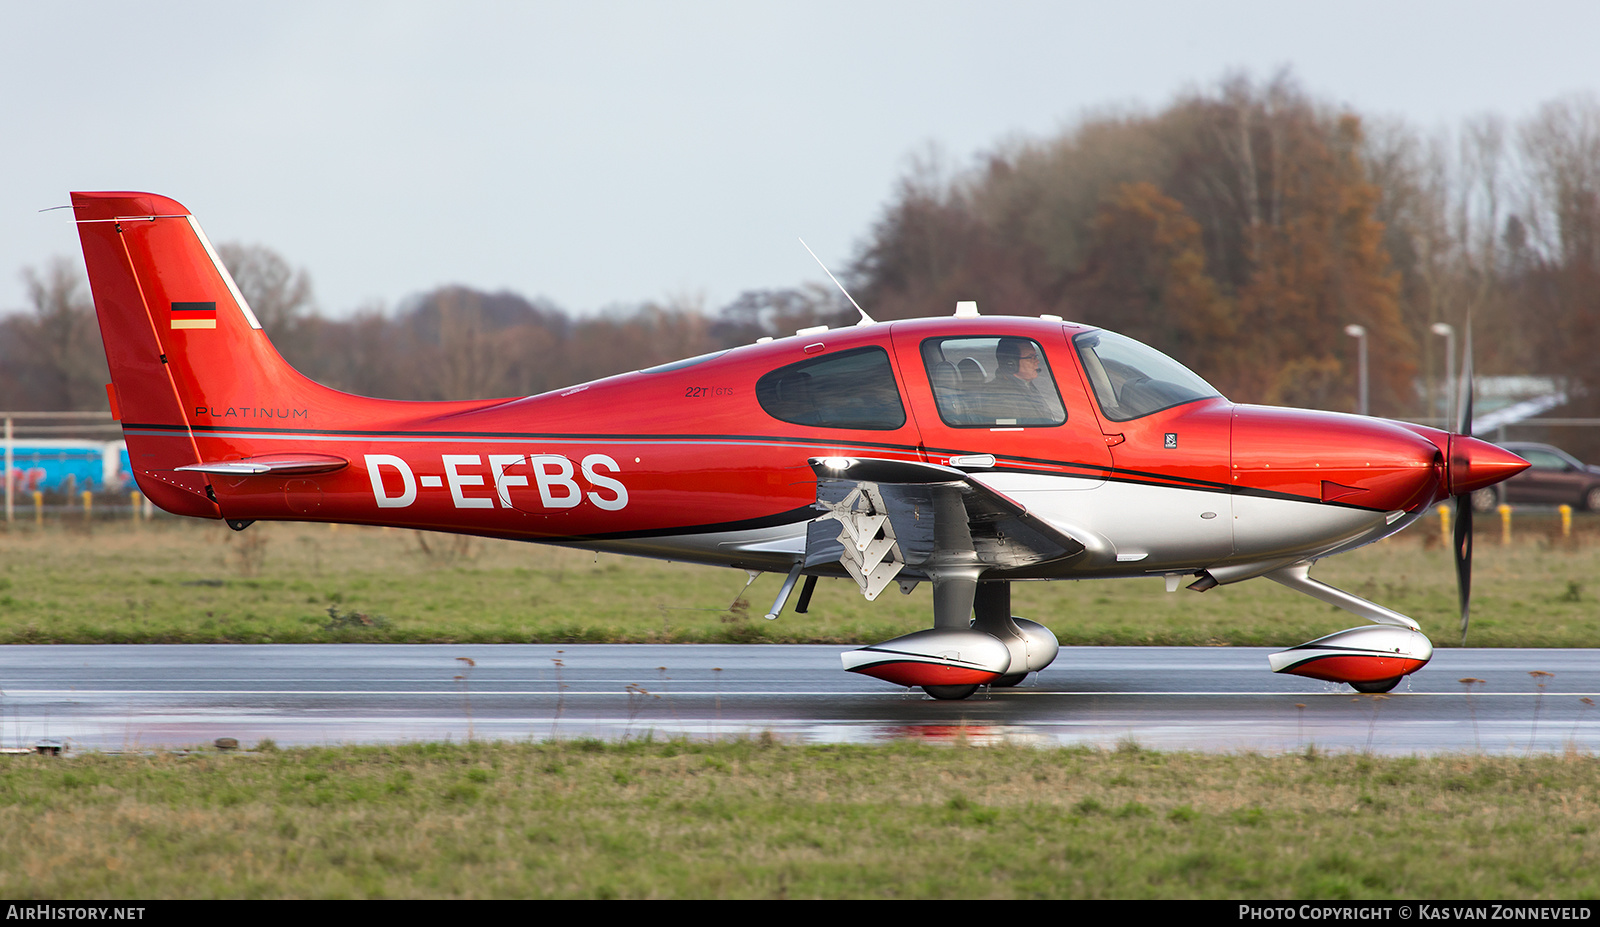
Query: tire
x=1008, y=680
x=1485, y=500
x=1382, y=685
x=1591, y=499
x=949, y=693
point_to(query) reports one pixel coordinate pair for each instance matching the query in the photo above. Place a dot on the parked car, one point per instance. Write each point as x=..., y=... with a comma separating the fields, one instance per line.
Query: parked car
x=1556, y=477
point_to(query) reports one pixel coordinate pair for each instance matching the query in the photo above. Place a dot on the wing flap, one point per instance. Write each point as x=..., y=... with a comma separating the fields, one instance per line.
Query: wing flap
x=884, y=519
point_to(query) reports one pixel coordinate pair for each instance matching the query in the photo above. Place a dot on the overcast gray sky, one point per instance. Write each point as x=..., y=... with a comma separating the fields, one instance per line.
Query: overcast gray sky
x=604, y=153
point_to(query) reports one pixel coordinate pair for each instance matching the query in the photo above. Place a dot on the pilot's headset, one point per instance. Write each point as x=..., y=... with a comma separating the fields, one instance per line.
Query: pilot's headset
x=1008, y=355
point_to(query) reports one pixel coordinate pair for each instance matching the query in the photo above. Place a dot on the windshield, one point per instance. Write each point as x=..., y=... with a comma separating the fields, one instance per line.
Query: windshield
x=1132, y=380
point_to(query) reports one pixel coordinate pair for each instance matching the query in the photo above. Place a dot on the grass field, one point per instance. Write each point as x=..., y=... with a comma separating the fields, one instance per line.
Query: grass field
x=758, y=818
x=755, y=819
x=187, y=581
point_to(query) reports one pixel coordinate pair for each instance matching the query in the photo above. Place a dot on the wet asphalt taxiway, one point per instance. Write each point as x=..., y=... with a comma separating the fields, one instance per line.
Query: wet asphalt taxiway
x=1209, y=698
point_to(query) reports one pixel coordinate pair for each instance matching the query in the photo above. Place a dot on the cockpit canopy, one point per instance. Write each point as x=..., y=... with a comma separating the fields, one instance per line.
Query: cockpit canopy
x=1132, y=380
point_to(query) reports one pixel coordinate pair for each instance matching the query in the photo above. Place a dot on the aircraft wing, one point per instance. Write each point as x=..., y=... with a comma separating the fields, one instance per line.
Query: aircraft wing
x=889, y=519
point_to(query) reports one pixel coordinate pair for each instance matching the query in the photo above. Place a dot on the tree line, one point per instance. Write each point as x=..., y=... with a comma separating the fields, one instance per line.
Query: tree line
x=1240, y=229
x=453, y=342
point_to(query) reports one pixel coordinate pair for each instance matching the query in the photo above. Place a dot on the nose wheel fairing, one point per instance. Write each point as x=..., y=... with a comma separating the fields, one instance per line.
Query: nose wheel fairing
x=1359, y=656
x=1372, y=658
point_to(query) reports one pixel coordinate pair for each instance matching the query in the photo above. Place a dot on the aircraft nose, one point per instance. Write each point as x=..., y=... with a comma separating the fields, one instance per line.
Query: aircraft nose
x=1475, y=464
x=1351, y=460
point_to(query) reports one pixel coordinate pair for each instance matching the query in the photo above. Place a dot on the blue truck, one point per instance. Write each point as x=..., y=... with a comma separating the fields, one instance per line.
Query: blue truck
x=62, y=465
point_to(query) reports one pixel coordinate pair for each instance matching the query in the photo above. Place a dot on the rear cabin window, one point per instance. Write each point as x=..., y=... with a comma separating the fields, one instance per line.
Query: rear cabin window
x=992, y=382
x=851, y=389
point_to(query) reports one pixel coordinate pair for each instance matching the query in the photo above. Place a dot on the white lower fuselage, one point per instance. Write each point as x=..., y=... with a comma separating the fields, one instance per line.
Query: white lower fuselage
x=1130, y=529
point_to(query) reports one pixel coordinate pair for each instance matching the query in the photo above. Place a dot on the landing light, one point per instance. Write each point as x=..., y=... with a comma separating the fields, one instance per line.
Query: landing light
x=836, y=463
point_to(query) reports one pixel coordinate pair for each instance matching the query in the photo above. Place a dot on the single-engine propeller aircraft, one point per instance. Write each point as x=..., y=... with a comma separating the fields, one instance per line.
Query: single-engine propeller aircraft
x=968, y=452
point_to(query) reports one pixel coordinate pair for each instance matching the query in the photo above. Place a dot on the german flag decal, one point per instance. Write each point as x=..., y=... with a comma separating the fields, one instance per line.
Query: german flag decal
x=194, y=315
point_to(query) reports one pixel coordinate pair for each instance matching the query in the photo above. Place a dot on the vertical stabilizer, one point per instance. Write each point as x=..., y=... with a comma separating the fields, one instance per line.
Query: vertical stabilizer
x=185, y=351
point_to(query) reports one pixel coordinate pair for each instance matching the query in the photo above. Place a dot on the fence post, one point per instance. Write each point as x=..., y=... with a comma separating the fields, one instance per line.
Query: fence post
x=10, y=490
x=88, y=501
x=1444, y=524
x=1505, y=525
x=1566, y=521
x=38, y=508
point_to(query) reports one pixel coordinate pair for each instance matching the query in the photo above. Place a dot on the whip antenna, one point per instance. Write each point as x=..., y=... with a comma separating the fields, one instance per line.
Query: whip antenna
x=865, y=319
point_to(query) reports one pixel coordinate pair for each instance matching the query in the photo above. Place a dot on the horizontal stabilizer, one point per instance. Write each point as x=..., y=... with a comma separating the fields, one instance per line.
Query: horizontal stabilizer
x=272, y=465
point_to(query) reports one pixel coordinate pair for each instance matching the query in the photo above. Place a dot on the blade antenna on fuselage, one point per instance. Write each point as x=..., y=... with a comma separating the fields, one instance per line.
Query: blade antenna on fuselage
x=865, y=319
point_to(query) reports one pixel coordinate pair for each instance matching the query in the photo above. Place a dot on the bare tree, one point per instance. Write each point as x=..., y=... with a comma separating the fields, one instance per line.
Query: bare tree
x=53, y=355
x=277, y=293
x=1562, y=147
x=1557, y=253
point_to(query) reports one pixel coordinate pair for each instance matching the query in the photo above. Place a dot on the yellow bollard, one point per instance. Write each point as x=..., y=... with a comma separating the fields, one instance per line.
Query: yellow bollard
x=88, y=501
x=1566, y=520
x=1444, y=524
x=38, y=507
x=1505, y=525
x=133, y=505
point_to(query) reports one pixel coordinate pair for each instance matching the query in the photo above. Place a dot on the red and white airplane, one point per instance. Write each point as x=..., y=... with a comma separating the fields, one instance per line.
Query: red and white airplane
x=968, y=452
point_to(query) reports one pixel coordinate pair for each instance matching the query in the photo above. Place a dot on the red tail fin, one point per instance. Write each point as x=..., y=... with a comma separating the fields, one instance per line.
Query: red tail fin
x=183, y=346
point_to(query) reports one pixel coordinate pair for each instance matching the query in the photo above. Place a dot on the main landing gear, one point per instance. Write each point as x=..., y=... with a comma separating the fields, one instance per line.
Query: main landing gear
x=975, y=641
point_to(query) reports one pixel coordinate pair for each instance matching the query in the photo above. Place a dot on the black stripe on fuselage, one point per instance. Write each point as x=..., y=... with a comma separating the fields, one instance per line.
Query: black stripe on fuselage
x=1146, y=478
x=1142, y=478
x=514, y=435
x=1049, y=468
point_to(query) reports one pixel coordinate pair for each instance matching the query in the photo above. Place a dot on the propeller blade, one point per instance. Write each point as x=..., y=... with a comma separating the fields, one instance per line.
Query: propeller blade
x=1463, y=552
x=1463, y=535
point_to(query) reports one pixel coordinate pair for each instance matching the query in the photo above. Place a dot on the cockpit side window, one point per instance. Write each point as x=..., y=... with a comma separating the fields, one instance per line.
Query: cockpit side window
x=851, y=389
x=1132, y=380
x=992, y=382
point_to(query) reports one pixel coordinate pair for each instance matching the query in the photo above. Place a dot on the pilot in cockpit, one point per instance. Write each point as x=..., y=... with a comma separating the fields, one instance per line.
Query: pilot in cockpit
x=1014, y=392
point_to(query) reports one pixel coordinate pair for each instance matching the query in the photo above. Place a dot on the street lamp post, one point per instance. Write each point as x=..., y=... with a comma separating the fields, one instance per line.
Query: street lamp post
x=1359, y=333
x=1449, y=333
